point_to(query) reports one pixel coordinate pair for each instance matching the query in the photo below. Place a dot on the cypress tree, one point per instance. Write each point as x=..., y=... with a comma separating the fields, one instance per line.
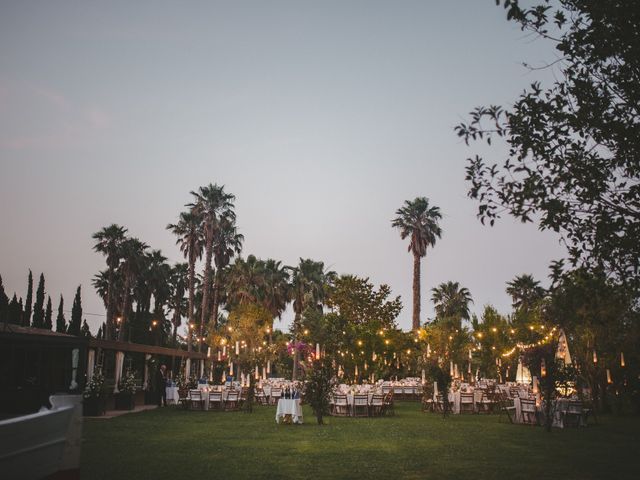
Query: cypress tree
x=38, y=307
x=61, y=322
x=26, y=320
x=48, y=315
x=76, y=315
x=99, y=334
x=14, y=311
x=4, y=304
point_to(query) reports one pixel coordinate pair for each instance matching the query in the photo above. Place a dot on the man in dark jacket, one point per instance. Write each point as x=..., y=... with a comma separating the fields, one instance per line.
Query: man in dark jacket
x=161, y=385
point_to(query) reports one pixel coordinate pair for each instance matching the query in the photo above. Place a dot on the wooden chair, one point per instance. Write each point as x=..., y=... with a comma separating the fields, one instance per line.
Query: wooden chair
x=276, y=393
x=376, y=408
x=467, y=403
x=233, y=401
x=389, y=404
x=195, y=399
x=528, y=411
x=261, y=397
x=428, y=404
x=340, y=406
x=386, y=389
x=506, y=406
x=360, y=405
x=440, y=405
x=215, y=400
x=574, y=415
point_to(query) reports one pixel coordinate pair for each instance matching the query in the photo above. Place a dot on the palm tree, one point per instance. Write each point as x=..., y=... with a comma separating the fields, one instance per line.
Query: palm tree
x=133, y=259
x=244, y=279
x=525, y=292
x=276, y=287
x=451, y=301
x=226, y=244
x=108, y=242
x=178, y=280
x=309, y=283
x=418, y=221
x=211, y=204
x=191, y=241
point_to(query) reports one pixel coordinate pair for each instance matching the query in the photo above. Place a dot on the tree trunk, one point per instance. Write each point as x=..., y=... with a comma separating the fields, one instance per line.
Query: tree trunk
x=216, y=286
x=192, y=286
x=125, y=310
x=207, y=284
x=296, y=321
x=416, y=292
x=110, y=332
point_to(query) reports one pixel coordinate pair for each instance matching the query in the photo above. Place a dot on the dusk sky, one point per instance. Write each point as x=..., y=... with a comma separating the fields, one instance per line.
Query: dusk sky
x=321, y=117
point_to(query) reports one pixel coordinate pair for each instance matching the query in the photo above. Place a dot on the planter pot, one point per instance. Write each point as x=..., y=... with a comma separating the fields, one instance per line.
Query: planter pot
x=93, y=407
x=124, y=401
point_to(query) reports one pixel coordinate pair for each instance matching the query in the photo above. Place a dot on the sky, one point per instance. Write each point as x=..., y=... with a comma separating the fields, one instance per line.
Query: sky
x=321, y=117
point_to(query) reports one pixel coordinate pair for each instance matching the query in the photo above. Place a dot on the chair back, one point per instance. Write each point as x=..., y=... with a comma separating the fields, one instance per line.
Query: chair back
x=361, y=400
x=340, y=399
x=466, y=397
x=233, y=396
x=527, y=405
x=215, y=396
x=195, y=394
x=276, y=392
x=377, y=399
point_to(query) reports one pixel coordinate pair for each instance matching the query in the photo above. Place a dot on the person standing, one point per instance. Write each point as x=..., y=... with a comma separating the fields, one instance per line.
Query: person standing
x=161, y=385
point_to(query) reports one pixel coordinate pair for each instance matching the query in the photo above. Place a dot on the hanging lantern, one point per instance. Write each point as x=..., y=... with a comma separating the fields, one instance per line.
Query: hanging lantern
x=543, y=368
x=257, y=374
x=595, y=357
x=231, y=368
x=317, y=351
x=469, y=369
x=622, y=359
x=224, y=350
x=356, y=373
x=451, y=372
x=268, y=366
x=428, y=350
x=373, y=357
x=470, y=355
x=237, y=348
x=366, y=366
x=609, y=380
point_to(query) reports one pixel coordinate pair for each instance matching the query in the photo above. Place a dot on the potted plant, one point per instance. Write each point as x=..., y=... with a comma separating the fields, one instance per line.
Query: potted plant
x=125, y=397
x=93, y=401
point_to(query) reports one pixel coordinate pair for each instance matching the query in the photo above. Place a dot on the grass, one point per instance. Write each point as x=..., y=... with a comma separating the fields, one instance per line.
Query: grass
x=176, y=444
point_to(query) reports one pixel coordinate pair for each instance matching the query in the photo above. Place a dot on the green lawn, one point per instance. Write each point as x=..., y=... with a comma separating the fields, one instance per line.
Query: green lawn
x=176, y=444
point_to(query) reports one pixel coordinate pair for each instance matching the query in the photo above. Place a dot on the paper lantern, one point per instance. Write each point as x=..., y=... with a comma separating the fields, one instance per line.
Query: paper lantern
x=237, y=348
x=317, y=351
x=268, y=366
x=595, y=357
x=609, y=380
x=621, y=359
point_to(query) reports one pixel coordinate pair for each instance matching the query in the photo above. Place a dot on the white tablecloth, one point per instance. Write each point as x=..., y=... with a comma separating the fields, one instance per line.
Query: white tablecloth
x=291, y=407
x=172, y=395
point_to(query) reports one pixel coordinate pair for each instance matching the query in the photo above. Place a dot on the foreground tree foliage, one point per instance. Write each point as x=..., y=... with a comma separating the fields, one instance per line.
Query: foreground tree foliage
x=573, y=164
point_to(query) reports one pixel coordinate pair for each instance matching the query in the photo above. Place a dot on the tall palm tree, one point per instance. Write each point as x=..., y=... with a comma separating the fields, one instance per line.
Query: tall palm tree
x=418, y=221
x=211, y=203
x=191, y=242
x=133, y=260
x=309, y=283
x=525, y=292
x=227, y=243
x=451, y=301
x=178, y=280
x=108, y=242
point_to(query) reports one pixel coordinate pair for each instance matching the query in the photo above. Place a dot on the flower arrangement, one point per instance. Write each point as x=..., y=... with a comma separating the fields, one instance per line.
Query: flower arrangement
x=128, y=383
x=95, y=386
